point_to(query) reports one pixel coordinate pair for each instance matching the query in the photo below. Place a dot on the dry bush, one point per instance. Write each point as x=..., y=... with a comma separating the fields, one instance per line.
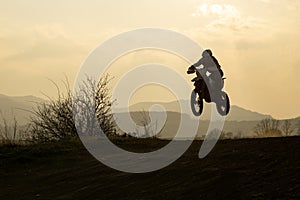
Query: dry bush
x=8, y=132
x=11, y=133
x=267, y=128
x=287, y=128
x=298, y=127
x=54, y=120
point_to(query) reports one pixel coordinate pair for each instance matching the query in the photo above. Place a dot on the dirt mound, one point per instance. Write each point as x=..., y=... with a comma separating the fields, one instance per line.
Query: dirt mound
x=235, y=169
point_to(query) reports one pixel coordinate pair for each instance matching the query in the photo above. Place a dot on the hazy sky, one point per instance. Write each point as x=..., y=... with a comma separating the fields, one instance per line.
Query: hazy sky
x=257, y=43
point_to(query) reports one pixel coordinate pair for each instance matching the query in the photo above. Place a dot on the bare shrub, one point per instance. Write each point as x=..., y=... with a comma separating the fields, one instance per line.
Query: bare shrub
x=298, y=127
x=8, y=132
x=148, y=131
x=92, y=106
x=54, y=120
x=287, y=128
x=268, y=127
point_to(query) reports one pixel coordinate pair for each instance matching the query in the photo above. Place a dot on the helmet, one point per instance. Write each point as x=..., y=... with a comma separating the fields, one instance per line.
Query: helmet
x=207, y=52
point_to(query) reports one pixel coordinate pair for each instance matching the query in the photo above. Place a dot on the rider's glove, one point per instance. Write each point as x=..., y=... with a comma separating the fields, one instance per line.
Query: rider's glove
x=191, y=70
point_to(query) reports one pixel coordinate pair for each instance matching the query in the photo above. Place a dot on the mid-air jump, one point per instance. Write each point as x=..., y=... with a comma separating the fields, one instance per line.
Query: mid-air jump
x=208, y=84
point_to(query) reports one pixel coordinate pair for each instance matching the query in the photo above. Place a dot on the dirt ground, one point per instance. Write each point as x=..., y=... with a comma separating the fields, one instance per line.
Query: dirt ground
x=235, y=169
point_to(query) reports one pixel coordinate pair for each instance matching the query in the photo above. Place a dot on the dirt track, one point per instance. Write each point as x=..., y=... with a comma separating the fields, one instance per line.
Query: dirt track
x=235, y=169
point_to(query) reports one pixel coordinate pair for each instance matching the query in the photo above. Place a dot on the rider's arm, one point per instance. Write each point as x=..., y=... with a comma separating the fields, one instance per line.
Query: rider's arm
x=197, y=64
x=192, y=68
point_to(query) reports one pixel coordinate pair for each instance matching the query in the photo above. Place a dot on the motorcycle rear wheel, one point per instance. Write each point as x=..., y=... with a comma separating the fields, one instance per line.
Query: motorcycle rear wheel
x=223, y=104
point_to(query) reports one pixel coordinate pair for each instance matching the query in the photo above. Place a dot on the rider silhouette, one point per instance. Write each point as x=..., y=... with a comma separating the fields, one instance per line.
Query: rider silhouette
x=209, y=63
x=208, y=84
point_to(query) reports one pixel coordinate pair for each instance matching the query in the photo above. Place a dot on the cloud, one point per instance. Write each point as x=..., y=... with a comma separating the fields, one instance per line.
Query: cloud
x=225, y=10
x=225, y=17
x=235, y=24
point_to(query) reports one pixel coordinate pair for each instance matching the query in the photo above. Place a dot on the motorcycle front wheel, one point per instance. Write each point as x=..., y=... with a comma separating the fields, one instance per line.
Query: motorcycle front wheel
x=196, y=104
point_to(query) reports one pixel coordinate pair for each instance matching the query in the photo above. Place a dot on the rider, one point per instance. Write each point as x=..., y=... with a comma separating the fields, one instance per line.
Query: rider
x=210, y=64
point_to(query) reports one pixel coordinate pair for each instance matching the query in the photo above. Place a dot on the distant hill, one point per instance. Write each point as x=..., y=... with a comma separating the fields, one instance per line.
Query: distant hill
x=236, y=113
x=236, y=129
x=239, y=121
x=18, y=106
x=241, y=128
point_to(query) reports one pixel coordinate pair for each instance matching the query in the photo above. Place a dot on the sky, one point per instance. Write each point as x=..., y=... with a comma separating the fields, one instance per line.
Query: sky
x=256, y=42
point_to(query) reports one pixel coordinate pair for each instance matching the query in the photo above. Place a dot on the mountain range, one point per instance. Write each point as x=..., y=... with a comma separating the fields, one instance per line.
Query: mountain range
x=239, y=120
x=236, y=113
x=21, y=106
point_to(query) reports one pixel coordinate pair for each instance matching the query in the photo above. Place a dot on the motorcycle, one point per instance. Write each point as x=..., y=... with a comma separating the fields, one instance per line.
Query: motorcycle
x=210, y=90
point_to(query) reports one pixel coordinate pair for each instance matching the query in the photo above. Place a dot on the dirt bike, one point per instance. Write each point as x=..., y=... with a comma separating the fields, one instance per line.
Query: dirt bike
x=202, y=92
